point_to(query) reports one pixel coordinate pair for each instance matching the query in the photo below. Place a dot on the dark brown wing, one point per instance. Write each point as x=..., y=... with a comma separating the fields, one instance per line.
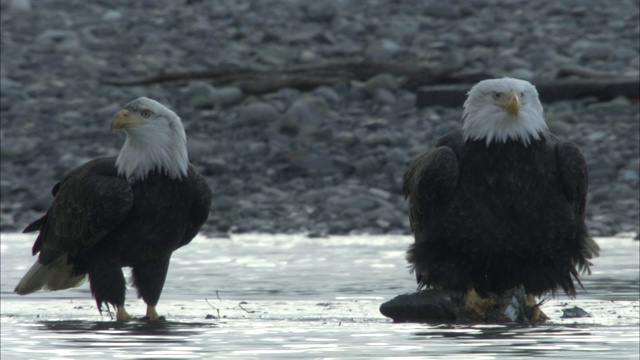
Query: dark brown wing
x=429, y=181
x=573, y=174
x=572, y=168
x=430, y=178
x=88, y=203
x=201, y=206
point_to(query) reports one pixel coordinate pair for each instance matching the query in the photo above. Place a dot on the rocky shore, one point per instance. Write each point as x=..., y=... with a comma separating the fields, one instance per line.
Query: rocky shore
x=327, y=160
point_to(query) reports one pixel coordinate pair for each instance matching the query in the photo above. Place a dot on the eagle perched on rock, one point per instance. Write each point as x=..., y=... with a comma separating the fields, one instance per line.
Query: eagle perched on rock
x=500, y=203
x=131, y=210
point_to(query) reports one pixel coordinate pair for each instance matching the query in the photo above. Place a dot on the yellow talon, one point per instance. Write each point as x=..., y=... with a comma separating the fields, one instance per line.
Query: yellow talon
x=532, y=305
x=475, y=303
x=121, y=314
x=151, y=313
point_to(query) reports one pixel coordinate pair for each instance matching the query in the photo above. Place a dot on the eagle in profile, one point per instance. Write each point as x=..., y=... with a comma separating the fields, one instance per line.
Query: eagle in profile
x=500, y=203
x=132, y=210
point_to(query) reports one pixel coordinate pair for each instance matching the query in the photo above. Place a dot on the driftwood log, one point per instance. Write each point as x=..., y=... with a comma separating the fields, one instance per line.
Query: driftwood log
x=258, y=80
x=454, y=95
x=434, y=86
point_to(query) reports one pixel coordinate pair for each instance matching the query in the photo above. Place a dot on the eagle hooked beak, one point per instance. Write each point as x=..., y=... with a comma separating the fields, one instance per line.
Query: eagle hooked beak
x=512, y=105
x=123, y=120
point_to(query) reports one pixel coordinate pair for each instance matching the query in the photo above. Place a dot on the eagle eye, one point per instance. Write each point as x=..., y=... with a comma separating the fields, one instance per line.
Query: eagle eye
x=145, y=113
x=496, y=95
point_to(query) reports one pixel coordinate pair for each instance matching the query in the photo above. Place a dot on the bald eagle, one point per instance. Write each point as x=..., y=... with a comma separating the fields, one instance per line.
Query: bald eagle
x=131, y=210
x=500, y=203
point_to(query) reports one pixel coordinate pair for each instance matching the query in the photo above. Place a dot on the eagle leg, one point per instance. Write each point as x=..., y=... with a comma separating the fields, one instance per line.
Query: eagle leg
x=149, y=279
x=152, y=314
x=533, y=309
x=474, y=303
x=121, y=314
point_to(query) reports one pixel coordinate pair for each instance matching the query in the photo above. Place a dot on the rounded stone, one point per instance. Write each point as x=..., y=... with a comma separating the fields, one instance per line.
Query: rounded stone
x=258, y=113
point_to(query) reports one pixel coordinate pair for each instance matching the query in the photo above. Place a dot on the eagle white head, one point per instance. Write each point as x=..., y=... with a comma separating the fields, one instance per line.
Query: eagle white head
x=156, y=140
x=502, y=109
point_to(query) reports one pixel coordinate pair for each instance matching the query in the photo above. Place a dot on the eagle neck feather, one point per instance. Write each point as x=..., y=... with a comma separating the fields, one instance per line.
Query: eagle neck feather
x=147, y=151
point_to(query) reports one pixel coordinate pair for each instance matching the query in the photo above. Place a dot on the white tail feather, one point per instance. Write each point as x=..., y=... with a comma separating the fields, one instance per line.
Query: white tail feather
x=57, y=275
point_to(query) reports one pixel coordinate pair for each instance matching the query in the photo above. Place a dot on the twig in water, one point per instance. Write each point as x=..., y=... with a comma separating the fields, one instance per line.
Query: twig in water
x=108, y=311
x=249, y=311
x=213, y=307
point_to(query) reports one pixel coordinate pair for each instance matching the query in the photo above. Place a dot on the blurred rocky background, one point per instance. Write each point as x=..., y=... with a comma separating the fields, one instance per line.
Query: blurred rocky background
x=323, y=157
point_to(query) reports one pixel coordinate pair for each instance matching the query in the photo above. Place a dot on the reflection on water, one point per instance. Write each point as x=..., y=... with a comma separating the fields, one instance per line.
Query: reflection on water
x=144, y=329
x=516, y=341
x=290, y=297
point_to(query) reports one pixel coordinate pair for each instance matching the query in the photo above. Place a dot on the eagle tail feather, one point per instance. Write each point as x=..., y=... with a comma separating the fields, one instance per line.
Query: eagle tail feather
x=57, y=275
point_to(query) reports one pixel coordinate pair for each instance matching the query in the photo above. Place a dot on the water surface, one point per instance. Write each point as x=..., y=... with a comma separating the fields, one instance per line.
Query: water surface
x=292, y=297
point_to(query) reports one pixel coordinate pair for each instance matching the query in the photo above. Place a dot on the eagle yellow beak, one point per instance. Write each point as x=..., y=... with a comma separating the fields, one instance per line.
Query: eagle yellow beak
x=123, y=120
x=512, y=105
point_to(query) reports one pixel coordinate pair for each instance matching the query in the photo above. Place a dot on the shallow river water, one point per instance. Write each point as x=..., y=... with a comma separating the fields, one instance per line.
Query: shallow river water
x=293, y=297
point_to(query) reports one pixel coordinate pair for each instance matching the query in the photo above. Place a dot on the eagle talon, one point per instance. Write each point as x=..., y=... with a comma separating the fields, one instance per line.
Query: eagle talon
x=533, y=310
x=474, y=303
x=152, y=314
x=121, y=314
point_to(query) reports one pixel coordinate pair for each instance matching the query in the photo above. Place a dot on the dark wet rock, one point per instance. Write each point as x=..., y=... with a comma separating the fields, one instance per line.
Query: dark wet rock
x=574, y=312
x=440, y=306
x=422, y=306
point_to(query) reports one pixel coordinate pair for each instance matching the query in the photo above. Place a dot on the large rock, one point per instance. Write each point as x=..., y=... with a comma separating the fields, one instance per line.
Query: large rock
x=440, y=306
x=421, y=306
x=258, y=113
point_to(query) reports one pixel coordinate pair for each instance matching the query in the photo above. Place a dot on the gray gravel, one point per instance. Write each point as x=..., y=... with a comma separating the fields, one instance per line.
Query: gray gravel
x=325, y=161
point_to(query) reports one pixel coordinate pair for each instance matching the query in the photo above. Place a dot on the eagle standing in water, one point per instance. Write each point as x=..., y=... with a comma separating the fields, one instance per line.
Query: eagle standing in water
x=133, y=210
x=499, y=204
